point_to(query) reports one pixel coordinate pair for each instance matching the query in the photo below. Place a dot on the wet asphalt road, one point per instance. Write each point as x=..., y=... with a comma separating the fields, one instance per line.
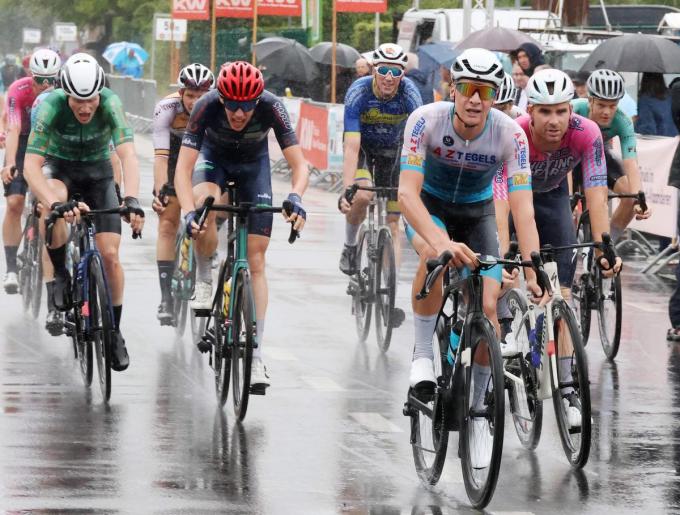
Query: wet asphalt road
x=329, y=436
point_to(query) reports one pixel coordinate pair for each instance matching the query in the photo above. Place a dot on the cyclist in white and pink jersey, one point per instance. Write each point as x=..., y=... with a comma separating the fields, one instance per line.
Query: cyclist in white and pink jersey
x=44, y=65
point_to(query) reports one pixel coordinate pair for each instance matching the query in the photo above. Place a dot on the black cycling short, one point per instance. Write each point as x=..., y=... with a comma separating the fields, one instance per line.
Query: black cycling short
x=614, y=172
x=18, y=185
x=93, y=181
x=382, y=168
x=253, y=183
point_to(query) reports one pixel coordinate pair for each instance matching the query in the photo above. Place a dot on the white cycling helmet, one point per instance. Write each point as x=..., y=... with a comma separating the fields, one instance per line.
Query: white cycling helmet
x=82, y=77
x=389, y=53
x=196, y=76
x=44, y=63
x=549, y=87
x=605, y=84
x=507, y=92
x=478, y=64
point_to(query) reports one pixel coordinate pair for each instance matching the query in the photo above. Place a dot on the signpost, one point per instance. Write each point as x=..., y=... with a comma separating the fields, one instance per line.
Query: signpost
x=32, y=36
x=166, y=29
x=65, y=32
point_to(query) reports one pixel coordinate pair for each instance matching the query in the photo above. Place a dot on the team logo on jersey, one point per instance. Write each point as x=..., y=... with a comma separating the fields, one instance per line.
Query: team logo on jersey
x=448, y=141
x=575, y=123
x=414, y=160
x=597, y=150
x=521, y=179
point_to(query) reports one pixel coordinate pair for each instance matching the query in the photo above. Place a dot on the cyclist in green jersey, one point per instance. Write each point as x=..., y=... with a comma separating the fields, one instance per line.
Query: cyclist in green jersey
x=68, y=153
x=605, y=89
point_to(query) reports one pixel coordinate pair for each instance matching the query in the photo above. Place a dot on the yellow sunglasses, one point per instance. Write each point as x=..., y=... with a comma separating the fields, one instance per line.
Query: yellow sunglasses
x=468, y=89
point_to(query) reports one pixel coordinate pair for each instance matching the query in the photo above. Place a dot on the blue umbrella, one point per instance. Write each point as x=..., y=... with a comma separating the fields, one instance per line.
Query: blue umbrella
x=442, y=52
x=117, y=52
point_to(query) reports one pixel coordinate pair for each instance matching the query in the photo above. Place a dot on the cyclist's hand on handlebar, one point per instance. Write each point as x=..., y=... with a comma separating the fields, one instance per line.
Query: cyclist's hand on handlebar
x=607, y=269
x=135, y=216
x=158, y=204
x=462, y=255
x=345, y=200
x=536, y=296
x=191, y=224
x=509, y=278
x=8, y=173
x=298, y=216
x=70, y=210
x=641, y=215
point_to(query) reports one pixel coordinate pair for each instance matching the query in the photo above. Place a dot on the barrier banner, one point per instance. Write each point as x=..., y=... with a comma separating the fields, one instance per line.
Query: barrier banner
x=191, y=9
x=244, y=8
x=655, y=155
x=292, y=105
x=361, y=6
x=312, y=132
x=336, y=120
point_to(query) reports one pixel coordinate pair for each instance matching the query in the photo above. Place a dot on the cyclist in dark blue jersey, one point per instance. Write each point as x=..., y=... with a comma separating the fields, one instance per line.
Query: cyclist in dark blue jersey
x=226, y=140
x=376, y=109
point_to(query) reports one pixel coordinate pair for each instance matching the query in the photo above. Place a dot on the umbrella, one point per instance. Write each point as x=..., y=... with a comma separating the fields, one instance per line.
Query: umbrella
x=116, y=52
x=496, y=38
x=286, y=58
x=345, y=55
x=635, y=53
x=442, y=52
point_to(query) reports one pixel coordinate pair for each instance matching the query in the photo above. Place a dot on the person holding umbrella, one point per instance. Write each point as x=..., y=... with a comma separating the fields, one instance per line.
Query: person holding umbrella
x=130, y=65
x=529, y=56
x=362, y=68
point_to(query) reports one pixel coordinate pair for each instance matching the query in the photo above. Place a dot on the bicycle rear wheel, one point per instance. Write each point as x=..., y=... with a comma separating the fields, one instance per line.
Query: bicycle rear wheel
x=242, y=338
x=222, y=349
x=385, y=288
x=570, y=385
x=429, y=430
x=361, y=282
x=582, y=286
x=36, y=277
x=525, y=405
x=101, y=325
x=182, y=283
x=25, y=262
x=481, y=436
x=609, y=314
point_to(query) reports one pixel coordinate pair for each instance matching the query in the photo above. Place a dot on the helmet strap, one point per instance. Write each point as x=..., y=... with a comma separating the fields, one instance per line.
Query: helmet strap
x=466, y=125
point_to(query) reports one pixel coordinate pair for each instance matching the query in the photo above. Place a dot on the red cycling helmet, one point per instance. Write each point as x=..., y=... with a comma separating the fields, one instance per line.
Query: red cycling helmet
x=240, y=81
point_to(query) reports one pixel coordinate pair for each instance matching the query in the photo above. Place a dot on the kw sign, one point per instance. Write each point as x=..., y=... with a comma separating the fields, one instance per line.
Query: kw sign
x=191, y=9
x=244, y=8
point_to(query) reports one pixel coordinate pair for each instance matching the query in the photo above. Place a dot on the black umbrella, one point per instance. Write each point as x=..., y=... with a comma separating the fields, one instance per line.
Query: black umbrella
x=496, y=38
x=286, y=58
x=345, y=55
x=635, y=53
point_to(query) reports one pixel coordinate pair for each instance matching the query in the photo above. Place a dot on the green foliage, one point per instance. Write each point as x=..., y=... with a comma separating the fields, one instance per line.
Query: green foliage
x=363, y=38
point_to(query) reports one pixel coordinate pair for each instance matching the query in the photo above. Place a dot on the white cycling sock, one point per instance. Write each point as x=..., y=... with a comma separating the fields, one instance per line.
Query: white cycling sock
x=351, y=232
x=564, y=366
x=257, y=351
x=424, y=327
x=203, y=268
x=480, y=383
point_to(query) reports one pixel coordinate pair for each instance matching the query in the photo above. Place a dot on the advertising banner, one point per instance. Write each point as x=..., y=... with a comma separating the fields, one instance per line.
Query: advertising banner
x=312, y=132
x=361, y=6
x=191, y=9
x=244, y=8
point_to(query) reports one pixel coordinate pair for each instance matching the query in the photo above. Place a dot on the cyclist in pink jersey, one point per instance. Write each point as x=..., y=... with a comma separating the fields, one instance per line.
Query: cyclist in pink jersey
x=44, y=66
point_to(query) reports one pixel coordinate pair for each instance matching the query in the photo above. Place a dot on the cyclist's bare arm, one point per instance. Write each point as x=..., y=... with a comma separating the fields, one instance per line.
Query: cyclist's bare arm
x=185, y=166
x=522, y=208
x=11, y=147
x=350, y=154
x=37, y=182
x=128, y=158
x=298, y=165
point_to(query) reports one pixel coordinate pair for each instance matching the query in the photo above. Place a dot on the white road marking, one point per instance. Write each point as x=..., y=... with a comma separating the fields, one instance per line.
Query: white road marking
x=648, y=309
x=322, y=384
x=375, y=422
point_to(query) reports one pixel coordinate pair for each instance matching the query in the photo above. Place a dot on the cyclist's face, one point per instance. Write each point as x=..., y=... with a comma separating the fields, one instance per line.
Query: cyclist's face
x=473, y=110
x=550, y=122
x=602, y=111
x=238, y=119
x=83, y=109
x=519, y=77
x=523, y=59
x=387, y=84
x=506, y=107
x=190, y=97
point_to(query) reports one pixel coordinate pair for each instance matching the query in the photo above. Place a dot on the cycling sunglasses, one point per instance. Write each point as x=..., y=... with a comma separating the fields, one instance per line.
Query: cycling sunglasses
x=42, y=80
x=396, y=71
x=468, y=89
x=245, y=106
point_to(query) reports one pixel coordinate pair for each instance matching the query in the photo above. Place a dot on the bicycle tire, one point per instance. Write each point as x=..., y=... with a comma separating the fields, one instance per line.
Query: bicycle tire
x=36, y=278
x=101, y=325
x=526, y=406
x=423, y=430
x=243, y=337
x=610, y=338
x=361, y=302
x=581, y=290
x=222, y=352
x=179, y=288
x=478, y=485
x=385, y=288
x=83, y=348
x=576, y=449
x=25, y=260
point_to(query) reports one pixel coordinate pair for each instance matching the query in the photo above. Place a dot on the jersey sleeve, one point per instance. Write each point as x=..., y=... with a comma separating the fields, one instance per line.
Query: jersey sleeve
x=516, y=162
x=39, y=138
x=500, y=184
x=121, y=132
x=413, y=98
x=195, y=130
x=353, y=101
x=13, y=108
x=626, y=134
x=163, y=116
x=591, y=149
x=282, y=125
x=414, y=150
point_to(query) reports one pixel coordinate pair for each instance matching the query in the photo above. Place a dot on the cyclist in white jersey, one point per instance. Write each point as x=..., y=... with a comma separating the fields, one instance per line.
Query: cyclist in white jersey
x=450, y=156
x=505, y=99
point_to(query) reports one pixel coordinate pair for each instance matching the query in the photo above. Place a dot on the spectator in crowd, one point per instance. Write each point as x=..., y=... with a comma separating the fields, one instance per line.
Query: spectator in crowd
x=579, y=79
x=521, y=80
x=343, y=80
x=674, y=180
x=444, y=90
x=419, y=78
x=529, y=56
x=130, y=65
x=654, y=107
x=362, y=68
x=629, y=107
x=10, y=71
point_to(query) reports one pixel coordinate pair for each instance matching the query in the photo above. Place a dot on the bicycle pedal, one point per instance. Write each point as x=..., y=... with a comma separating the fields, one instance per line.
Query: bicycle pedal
x=258, y=389
x=201, y=312
x=203, y=346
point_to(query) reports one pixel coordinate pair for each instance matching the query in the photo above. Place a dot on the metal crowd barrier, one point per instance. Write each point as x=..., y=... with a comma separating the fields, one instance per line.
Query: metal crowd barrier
x=138, y=97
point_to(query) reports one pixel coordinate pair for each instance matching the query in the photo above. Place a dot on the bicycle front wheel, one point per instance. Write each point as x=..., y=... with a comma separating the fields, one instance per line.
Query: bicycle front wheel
x=609, y=314
x=243, y=336
x=361, y=284
x=570, y=385
x=481, y=437
x=222, y=349
x=385, y=289
x=525, y=404
x=429, y=429
x=582, y=286
x=101, y=325
x=83, y=348
x=36, y=277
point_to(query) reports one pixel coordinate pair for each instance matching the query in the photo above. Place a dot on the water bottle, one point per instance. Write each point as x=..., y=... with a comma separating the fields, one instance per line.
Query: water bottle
x=227, y=294
x=454, y=341
x=535, y=337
